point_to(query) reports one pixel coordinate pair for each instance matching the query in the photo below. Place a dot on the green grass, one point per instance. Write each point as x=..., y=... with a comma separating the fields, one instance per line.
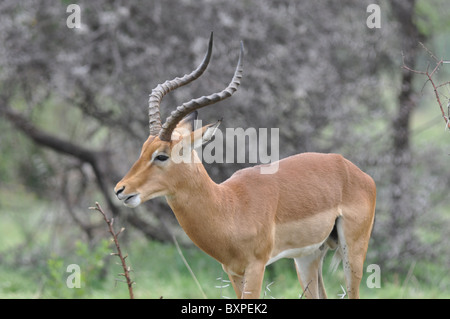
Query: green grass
x=159, y=271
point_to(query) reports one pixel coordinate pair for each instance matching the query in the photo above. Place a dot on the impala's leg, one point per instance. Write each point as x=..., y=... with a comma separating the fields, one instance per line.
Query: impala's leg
x=237, y=282
x=322, y=292
x=353, y=240
x=309, y=271
x=249, y=285
x=253, y=278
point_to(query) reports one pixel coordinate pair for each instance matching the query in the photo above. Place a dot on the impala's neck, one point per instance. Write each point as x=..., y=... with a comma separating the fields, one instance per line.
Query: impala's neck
x=198, y=205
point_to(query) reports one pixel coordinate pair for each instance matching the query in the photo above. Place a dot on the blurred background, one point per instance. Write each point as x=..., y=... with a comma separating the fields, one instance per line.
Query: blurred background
x=73, y=117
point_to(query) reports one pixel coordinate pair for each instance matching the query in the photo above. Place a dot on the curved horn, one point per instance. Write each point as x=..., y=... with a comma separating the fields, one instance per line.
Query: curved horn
x=176, y=116
x=161, y=90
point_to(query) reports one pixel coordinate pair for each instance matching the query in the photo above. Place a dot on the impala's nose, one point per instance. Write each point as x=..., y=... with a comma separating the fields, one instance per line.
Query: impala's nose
x=130, y=200
x=119, y=191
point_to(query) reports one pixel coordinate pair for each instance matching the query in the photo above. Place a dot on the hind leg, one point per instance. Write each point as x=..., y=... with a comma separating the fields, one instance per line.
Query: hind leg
x=309, y=272
x=353, y=270
x=353, y=241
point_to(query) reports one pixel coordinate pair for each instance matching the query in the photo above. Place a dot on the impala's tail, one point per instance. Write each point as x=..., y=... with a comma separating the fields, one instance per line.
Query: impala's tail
x=337, y=246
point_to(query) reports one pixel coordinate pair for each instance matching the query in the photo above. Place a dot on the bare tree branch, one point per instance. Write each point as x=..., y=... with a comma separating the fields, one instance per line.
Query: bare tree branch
x=47, y=140
x=429, y=75
x=126, y=269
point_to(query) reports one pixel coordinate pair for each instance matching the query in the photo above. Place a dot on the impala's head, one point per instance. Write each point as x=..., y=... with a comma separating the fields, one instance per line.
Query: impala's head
x=169, y=150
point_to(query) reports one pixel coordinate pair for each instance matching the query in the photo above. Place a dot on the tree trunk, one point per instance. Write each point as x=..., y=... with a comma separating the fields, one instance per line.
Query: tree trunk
x=402, y=213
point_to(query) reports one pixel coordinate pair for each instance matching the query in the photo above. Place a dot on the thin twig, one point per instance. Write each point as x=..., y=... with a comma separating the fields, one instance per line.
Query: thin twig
x=304, y=290
x=429, y=75
x=429, y=52
x=126, y=269
x=187, y=264
x=408, y=276
x=188, y=267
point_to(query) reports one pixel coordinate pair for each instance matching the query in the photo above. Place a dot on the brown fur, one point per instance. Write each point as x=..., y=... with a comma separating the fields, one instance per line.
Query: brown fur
x=252, y=217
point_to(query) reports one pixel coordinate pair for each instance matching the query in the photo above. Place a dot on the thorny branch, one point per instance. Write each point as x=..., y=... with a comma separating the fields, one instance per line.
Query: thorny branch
x=126, y=269
x=429, y=75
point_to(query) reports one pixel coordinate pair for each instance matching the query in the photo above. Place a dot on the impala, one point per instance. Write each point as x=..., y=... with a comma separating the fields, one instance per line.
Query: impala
x=313, y=202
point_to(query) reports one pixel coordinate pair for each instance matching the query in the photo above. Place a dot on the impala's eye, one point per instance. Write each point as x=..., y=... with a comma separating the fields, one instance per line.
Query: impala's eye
x=162, y=157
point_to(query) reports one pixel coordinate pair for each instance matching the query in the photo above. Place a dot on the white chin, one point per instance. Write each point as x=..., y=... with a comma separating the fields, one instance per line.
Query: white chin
x=133, y=201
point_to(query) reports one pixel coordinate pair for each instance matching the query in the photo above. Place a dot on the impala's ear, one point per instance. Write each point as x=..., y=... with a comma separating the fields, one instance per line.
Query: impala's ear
x=209, y=131
x=202, y=135
x=188, y=122
x=181, y=152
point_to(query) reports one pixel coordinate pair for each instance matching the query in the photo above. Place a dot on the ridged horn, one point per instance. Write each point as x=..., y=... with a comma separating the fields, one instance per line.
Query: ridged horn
x=181, y=111
x=161, y=90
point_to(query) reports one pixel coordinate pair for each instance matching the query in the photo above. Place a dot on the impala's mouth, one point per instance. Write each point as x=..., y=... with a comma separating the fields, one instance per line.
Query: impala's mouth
x=132, y=200
x=129, y=198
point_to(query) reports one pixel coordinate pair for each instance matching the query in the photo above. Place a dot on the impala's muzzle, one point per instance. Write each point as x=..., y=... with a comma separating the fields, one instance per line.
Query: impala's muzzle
x=130, y=200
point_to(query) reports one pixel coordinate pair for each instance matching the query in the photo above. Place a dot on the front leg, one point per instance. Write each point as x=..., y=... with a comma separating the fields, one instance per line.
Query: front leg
x=237, y=282
x=249, y=285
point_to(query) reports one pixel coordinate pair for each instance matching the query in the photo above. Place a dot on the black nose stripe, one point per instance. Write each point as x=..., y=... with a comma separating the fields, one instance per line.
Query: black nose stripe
x=120, y=190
